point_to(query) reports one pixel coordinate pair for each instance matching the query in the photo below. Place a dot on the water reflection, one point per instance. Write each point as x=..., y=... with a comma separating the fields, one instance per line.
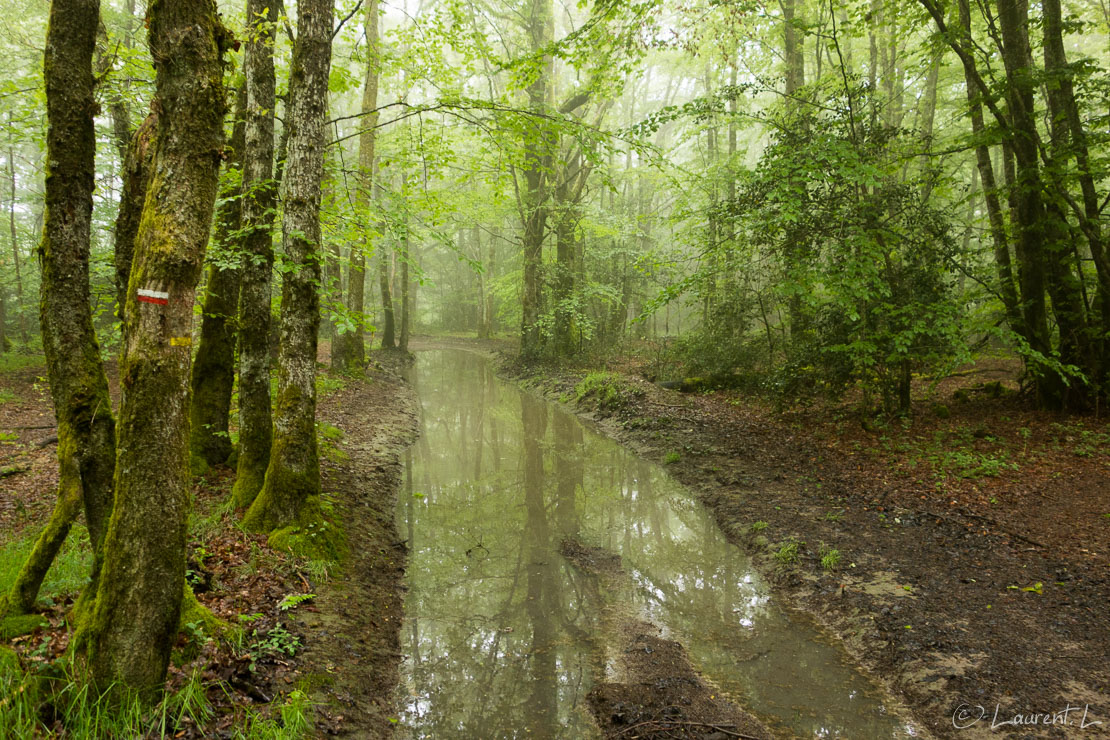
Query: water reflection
x=504, y=638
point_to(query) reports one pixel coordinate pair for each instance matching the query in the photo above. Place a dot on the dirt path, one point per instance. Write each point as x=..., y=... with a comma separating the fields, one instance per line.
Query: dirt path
x=353, y=655
x=944, y=609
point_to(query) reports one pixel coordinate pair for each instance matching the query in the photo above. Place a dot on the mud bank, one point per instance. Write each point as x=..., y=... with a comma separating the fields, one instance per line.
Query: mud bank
x=353, y=656
x=941, y=610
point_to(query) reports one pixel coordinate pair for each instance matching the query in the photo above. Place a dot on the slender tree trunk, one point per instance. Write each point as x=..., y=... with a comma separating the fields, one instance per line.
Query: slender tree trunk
x=388, y=321
x=1070, y=139
x=538, y=155
x=349, y=349
x=16, y=259
x=405, y=255
x=294, y=471
x=135, y=618
x=78, y=385
x=137, y=167
x=1028, y=208
x=213, y=373
x=255, y=422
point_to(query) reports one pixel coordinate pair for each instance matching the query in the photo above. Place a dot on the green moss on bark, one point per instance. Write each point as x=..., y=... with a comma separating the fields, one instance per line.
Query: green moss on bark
x=316, y=535
x=21, y=624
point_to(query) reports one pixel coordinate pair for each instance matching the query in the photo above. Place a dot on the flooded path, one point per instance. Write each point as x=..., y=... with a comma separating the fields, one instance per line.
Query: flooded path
x=504, y=636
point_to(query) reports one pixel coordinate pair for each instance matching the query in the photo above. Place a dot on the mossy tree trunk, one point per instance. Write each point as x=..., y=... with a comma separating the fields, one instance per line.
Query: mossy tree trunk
x=294, y=470
x=135, y=618
x=136, y=174
x=348, y=349
x=78, y=385
x=214, y=365
x=255, y=421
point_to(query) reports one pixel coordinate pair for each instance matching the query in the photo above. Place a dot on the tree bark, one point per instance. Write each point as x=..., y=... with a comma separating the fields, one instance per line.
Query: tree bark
x=137, y=167
x=293, y=474
x=135, y=617
x=255, y=419
x=78, y=385
x=538, y=146
x=349, y=349
x=17, y=261
x=213, y=374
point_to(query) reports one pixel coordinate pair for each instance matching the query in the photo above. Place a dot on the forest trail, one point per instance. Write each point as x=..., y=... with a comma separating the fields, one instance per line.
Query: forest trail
x=352, y=653
x=505, y=632
x=946, y=606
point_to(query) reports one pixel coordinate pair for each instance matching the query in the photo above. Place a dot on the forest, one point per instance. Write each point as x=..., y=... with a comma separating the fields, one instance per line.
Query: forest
x=415, y=368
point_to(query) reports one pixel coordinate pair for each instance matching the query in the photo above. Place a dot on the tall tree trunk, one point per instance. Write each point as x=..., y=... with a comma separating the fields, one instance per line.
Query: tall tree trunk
x=255, y=422
x=78, y=385
x=405, y=256
x=213, y=373
x=349, y=349
x=135, y=618
x=137, y=167
x=294, y=471
x=1028, y=207
x=389, y=340
x=16, y=259
x=537, y=161
x=1070, y=139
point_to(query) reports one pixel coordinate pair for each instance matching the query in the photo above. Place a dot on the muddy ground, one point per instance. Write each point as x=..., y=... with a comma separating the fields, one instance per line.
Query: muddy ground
x=354, y=653
x=962, y=558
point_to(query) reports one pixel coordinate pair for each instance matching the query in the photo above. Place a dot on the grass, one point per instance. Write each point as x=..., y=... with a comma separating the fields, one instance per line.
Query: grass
x=6, y=395
x=671, y=458
x=787, y=553
x=66, y=576
x=758, y=526
x=830, y=558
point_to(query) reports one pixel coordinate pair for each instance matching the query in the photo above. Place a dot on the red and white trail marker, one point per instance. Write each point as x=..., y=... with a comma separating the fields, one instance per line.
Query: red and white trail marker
x=153, y=296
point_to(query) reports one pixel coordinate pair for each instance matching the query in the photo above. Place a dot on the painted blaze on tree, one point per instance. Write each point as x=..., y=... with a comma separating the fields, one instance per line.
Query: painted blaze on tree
x=134, y=621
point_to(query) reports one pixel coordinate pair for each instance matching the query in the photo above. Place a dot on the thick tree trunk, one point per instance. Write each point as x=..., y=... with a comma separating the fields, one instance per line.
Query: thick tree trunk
x=213, y=375
x=135, y=618
x=255, y=421
x=349, y=349
x=78, y=385
x=294, y=471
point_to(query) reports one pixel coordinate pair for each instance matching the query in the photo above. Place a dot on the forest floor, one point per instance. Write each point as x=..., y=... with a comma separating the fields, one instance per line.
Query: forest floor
x=961, y=555
x=313, y=638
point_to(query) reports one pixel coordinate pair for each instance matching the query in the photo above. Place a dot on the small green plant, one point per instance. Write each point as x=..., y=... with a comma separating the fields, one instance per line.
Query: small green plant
x=787, y=553
x=6, y=395
x=326, y=385
x=758, y=526
x=8, y=436
x=671, y=457
x=276, y=641
x=834, y=516
x=830, y=559
x=292, y=601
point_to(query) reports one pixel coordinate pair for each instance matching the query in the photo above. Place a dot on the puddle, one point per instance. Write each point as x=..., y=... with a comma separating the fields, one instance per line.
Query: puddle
x=501, y=637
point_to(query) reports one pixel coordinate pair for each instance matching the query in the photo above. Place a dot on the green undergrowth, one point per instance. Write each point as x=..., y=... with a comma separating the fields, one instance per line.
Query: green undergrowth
x=606, y=391
x=34, y=705
x=66, y=577
x=317, y=535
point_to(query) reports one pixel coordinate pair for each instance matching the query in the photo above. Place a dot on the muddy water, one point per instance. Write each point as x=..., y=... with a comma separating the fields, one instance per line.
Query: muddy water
x=501, y=637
